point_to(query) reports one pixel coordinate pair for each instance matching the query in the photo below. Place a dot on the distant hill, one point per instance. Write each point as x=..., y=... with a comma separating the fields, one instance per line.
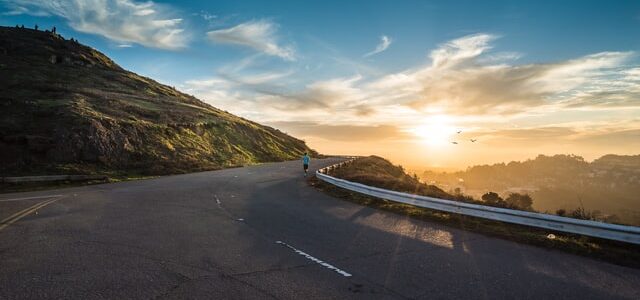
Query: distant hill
x=379, y=172
x=610, y=184
x=67, y=108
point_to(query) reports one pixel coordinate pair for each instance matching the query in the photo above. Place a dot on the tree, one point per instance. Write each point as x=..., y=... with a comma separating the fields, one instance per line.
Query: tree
x=520, y=201
x=493, y=199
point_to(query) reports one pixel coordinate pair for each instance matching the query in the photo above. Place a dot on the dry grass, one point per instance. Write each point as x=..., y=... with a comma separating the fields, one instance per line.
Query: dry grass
x=83, y=114
x=611, y=251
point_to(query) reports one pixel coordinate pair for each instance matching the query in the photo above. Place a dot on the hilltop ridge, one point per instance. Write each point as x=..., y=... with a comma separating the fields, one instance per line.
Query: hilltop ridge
x=68, y=108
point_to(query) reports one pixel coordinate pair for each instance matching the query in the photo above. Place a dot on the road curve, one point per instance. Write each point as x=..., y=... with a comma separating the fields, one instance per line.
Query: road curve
x=261, y=232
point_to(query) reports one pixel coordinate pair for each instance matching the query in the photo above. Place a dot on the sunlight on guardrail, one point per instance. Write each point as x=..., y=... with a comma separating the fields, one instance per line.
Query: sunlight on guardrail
x=623, y=233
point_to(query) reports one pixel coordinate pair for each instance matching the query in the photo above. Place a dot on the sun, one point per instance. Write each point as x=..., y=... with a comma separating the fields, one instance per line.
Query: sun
x=435, y=131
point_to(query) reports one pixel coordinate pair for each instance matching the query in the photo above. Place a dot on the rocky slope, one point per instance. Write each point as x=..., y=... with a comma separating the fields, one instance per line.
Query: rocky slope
x=67, y=108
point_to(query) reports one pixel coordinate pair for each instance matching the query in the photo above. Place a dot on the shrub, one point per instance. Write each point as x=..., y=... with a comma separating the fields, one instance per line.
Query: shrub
x=520, y=201
x=493, y=199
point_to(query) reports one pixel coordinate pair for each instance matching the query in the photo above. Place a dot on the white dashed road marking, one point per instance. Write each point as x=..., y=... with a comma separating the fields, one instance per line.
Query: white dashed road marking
x=225, y=211
x=316, y=260
x=300, y=252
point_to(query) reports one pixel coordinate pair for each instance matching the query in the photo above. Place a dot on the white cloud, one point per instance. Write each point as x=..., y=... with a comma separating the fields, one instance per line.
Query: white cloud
x=257, y=79
x=461, y=50
x=145, y=23
x=15, y=10
x=206, y=15
x=459, y=80
x=385, y=42
x=258, y=35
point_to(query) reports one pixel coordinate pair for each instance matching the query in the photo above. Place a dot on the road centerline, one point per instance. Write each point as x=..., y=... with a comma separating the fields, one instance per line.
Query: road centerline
x=30, y=198
x=316, y=260
x=23, y=213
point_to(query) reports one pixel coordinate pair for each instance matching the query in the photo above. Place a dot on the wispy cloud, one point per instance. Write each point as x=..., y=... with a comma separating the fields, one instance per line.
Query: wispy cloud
x=349, y=133
x=145, y=23
x=459, y=80
x=16, y=9
x=207, y=16
x=385, y=42
x=463, y=78
x=459, y=51
x=260, y=35
x=587, y=134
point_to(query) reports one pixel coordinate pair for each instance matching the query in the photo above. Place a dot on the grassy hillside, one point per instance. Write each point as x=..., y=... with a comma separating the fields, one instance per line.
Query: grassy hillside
x=376, y=171
x=379, y=172
x=67, y=108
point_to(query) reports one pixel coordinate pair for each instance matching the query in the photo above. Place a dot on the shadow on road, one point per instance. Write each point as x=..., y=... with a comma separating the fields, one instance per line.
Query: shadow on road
x=399, y=256
x=170, y=238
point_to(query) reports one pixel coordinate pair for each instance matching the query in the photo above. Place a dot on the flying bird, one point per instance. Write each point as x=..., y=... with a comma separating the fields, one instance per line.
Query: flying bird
x=473, y=140
x=459, y=131
x=455, y=143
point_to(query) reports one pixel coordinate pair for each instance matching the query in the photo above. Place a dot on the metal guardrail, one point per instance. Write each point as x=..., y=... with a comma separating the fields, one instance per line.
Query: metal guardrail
x=629, y=234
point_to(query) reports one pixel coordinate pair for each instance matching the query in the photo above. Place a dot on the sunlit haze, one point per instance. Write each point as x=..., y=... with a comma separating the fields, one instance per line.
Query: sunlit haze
x=423, y=83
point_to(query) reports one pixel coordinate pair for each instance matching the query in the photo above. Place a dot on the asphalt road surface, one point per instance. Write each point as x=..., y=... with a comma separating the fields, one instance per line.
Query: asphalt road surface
x=261, y=232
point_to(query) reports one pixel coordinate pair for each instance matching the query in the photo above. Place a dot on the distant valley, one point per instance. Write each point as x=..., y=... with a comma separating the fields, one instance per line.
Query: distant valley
x=610, y=185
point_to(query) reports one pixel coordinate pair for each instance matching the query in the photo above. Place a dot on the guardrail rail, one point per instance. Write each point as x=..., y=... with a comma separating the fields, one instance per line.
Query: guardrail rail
x=623, y=233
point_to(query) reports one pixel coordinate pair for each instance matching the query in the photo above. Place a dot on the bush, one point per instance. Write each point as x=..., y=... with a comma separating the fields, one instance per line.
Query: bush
x=493, y=199
x=591, y=215
x=583, y=214
x=520, y=201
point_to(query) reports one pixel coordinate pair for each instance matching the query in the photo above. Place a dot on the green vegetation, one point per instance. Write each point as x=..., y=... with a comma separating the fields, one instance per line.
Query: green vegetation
x=68, y=109
x=513, y=201
x=605, y=190
x=379, y=172
x=41, y=186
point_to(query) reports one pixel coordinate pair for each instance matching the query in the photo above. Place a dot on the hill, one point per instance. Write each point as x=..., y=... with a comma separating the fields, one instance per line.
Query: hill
x=610, y=184
x=379, y=172
x=67, y=108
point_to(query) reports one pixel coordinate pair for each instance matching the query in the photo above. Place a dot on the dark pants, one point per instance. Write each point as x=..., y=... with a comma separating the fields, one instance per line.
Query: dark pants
x=306, y=166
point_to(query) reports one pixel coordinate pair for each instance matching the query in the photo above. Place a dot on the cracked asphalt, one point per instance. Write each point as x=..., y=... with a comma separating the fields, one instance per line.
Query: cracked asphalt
x=212, y=235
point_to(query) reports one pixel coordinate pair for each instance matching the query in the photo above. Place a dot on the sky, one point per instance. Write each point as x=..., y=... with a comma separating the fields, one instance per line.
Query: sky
x=426, y=84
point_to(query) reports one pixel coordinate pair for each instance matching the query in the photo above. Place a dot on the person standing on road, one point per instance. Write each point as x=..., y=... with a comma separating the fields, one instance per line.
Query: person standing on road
x=305, y=163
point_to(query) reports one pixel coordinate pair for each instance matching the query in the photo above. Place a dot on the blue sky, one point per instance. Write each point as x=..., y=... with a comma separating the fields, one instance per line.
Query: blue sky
x=541, y=30
x=387, y=69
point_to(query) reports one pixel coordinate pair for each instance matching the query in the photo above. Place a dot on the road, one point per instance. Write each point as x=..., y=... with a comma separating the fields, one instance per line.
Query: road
x=261, y=232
